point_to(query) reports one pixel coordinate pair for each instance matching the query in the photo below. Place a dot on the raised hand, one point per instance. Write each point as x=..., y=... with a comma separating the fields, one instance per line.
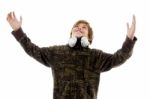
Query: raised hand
x=13, y=21
x=131, y=29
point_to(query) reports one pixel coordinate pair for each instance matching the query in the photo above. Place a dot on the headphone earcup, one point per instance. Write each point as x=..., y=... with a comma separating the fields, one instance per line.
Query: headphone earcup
x=72, y=41
x=84, y=42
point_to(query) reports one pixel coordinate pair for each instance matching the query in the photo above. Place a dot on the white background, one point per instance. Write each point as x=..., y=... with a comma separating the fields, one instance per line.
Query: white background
x=49, y=22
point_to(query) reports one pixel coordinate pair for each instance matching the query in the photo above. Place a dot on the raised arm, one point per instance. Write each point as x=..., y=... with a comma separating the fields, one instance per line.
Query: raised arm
x=106, y=61
x=40, y=54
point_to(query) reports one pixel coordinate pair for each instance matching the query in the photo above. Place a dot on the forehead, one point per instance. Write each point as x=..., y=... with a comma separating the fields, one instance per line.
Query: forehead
x=81, y=24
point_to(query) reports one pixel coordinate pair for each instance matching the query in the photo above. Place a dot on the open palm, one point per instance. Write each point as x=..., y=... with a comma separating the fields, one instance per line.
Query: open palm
x=131, y=29
x=13, y=21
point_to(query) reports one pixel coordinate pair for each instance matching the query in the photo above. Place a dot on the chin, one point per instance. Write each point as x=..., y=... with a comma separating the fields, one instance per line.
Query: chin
x=78, y=36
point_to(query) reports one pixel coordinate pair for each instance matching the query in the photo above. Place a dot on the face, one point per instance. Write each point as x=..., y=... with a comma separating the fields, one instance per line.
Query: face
x=80, y=30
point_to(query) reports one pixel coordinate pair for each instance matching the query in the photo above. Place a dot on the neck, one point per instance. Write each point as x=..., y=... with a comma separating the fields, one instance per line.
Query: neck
x=78, y=43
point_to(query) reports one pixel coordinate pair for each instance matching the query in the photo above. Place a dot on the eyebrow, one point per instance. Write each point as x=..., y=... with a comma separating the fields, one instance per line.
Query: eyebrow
x=85, y=25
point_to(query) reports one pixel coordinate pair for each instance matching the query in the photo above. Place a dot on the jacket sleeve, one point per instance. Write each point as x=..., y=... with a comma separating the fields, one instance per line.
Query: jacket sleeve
x=106, y=61
x=40, y=54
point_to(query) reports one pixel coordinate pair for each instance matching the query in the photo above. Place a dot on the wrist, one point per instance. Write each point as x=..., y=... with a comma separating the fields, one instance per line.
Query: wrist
x=18, y=33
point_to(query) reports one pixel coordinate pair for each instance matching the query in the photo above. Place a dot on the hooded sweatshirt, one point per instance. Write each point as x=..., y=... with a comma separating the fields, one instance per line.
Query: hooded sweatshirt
x=76, y=70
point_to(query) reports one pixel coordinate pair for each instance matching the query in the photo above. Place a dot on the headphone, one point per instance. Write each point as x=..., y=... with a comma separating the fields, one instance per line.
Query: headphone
x=83, y=41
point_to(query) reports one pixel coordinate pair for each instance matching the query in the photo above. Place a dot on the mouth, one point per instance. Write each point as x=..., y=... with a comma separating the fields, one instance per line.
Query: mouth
x=78, y=31
x=78, y=34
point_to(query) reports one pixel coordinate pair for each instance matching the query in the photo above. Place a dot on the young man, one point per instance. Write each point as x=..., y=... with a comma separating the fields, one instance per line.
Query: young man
x=76, y=68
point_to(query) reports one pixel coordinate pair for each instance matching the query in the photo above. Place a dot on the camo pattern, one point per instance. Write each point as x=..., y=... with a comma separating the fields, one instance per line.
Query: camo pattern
x=76, y=72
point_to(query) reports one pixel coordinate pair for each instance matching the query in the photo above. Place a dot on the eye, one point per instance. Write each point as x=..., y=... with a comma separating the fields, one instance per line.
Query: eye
x=84, y=27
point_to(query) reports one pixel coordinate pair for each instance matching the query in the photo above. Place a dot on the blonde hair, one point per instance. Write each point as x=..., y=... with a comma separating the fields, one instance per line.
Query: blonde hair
x=90, y=31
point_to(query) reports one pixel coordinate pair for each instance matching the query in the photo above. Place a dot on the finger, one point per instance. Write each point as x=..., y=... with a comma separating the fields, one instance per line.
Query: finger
x=133, y=20
x=9, y=16
x=14, y=16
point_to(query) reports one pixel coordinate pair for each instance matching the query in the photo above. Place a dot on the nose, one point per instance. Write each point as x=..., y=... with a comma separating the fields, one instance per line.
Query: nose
x=79, y=28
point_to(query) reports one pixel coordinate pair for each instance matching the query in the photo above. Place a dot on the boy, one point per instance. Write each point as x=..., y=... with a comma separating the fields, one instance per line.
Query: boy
x=76, y=68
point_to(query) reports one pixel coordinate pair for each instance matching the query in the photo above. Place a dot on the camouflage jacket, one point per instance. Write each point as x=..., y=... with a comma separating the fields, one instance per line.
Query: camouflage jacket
x=76, y=72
